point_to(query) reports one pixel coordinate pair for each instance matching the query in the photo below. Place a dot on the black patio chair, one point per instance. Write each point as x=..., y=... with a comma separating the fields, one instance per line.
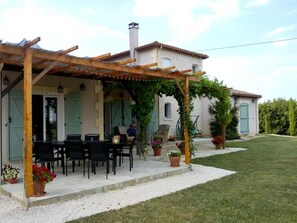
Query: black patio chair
x=92, y=137
x=75, y=151
x=73, y=137
x=44, y=153
x=127, y=151
x=98, y=152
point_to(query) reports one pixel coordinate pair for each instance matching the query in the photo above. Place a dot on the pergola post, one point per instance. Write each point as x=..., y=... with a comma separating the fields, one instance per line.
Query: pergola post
x=28, y=179
x=186, y=110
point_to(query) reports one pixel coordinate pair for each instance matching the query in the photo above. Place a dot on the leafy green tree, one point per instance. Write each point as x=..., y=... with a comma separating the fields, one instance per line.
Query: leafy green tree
x=274, y=116
x=292, y=119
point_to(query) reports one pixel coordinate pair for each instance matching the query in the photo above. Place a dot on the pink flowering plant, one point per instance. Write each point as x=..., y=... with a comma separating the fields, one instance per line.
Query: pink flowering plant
x=156, y=144
x=42, y=174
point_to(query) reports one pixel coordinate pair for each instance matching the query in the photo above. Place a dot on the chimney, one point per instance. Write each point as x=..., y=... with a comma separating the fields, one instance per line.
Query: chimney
x=133, y=37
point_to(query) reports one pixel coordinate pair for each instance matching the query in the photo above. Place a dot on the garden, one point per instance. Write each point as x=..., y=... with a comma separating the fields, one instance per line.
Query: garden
x=263, y=190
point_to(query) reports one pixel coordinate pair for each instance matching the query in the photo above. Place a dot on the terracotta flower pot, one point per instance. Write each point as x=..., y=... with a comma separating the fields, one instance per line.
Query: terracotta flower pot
x=218, y=146
x=12, y=180
x=157, y=151
x=174, y=161
x=38, y=189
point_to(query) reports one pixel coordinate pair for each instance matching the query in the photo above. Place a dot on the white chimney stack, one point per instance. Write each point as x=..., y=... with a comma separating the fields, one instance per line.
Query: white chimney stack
x=133, y=37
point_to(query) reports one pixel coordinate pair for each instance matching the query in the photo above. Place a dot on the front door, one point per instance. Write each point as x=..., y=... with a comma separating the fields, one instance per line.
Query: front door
x=45, y=117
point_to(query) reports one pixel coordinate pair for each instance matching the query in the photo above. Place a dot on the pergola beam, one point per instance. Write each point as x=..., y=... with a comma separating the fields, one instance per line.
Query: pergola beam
x=28, y=179
x=101, y=57
x=167, y=68
x=126, y=61
x=31, y=43
x=76, y=61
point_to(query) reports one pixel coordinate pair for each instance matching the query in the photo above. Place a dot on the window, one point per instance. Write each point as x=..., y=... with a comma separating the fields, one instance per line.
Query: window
x=166, y=62
x=195, y=68
x=167, y=110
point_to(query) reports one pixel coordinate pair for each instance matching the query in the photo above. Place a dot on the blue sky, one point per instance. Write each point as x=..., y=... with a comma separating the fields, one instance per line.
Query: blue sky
x=101, y=26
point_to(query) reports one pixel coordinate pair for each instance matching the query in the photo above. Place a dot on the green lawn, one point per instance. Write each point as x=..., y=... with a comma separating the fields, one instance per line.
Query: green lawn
x=263, y=190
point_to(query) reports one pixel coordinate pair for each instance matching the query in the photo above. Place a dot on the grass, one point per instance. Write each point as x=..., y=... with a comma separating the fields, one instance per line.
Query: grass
x=263, y=190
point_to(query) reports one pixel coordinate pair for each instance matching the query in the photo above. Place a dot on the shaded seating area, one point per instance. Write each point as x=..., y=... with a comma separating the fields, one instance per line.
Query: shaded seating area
x=162, y=133
x=123, y=130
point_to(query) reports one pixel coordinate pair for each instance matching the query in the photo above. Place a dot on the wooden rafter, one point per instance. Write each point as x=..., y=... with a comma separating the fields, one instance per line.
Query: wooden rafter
x=167, y=68
x=31, y=43
x=53, y=64
x=125, y=61
x=88, y=63
x=148, y=65
x=101, y=57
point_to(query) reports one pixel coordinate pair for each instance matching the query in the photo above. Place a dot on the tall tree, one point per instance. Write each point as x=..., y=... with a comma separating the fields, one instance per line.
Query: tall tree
x=292, y=119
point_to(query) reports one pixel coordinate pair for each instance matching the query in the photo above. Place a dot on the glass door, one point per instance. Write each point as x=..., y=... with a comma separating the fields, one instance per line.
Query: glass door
x=50, y=118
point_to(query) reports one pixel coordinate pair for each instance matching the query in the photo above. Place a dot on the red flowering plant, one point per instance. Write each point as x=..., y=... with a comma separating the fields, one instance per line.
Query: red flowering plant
x=42, y=174
x=217, y=140
x=156, y=144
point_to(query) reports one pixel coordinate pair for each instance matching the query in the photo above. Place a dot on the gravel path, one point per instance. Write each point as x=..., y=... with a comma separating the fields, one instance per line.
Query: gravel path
x=11, y=211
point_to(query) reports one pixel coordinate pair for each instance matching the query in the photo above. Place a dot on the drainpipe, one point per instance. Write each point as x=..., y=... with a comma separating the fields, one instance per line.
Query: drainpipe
x=1, y=153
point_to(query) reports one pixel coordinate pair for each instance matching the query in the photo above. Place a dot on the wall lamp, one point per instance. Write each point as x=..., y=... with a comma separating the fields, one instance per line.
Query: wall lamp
x=82, y=87
x=5, y=80
x=60, y=88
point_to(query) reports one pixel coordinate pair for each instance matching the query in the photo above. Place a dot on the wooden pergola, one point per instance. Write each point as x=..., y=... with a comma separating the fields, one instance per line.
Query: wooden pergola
x=43, y=62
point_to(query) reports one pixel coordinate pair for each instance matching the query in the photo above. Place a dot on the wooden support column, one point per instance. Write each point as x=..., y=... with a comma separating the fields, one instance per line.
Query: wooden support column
x=28, y=179
x=186, y=132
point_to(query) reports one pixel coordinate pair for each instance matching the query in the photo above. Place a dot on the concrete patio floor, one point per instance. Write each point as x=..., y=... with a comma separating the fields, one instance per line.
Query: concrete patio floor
x=76, y=186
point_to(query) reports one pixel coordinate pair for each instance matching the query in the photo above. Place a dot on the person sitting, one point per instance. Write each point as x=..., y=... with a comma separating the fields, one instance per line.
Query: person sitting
x=132, y=130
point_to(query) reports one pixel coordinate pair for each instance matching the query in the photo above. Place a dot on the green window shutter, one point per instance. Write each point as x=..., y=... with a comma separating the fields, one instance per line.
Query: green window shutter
x=244, y=118
x=72, y=114
x=16, y=125
x=121, y=114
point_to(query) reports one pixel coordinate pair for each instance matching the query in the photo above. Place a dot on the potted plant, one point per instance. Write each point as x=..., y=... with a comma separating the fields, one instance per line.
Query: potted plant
x=181, y=146
x=157, y=146
x=41, y=176
x=174, y=157
x=10, y=174
x=217, y=141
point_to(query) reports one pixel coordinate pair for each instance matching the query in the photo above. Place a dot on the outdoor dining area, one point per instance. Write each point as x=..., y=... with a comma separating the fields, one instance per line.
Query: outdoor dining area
x=87, y=153
x=84, y=165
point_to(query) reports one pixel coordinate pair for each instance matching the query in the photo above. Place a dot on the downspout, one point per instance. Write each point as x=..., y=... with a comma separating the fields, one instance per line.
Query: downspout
x=1, y=152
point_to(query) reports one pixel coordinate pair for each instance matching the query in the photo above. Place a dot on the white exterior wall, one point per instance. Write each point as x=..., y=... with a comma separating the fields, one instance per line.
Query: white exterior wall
x=91, y=104
x=253, y=115
x=181, y=62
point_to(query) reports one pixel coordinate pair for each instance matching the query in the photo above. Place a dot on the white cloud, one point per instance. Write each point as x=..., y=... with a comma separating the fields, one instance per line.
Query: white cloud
x=89, y=11
x=58, y=30
x=188, y=19
x=280, y=30
x=252, y=3
x=3, y=1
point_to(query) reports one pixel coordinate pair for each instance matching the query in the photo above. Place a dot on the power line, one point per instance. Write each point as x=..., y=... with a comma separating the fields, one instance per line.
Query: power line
x=248, y=44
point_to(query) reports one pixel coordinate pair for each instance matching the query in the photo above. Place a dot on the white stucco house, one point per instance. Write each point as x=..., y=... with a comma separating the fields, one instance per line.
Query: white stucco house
x=82, y=106
x=166, y=108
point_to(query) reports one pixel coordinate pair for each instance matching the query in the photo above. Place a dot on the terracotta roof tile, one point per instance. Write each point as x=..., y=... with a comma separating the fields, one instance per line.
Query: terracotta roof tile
x=157, y=44
x=244, y=94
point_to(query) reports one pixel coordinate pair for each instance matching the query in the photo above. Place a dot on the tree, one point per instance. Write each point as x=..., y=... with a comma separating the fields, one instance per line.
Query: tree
x=292, y=119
